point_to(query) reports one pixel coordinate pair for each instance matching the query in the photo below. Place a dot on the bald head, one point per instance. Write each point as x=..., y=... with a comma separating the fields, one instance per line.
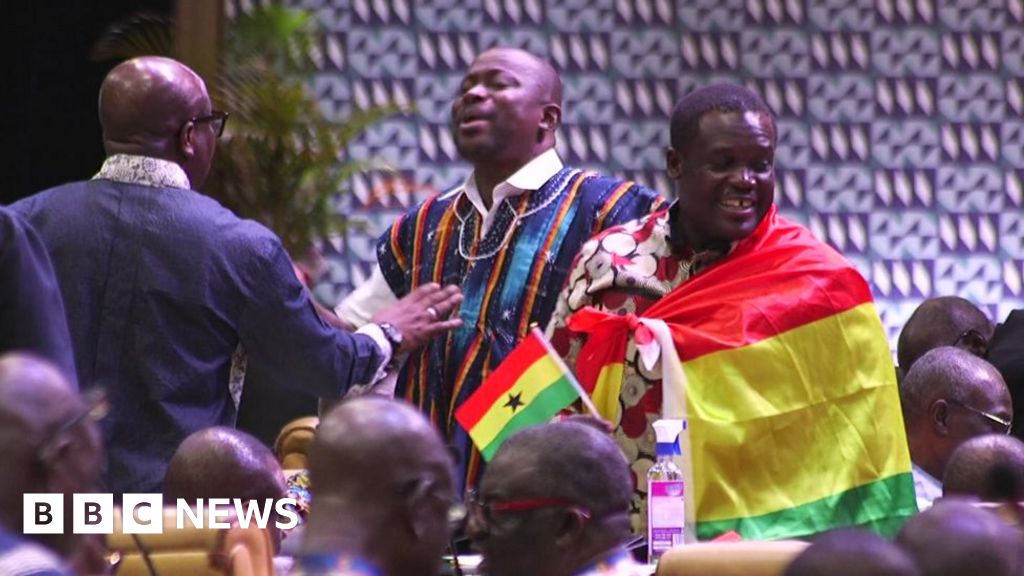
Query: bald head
x=573, y=464
x=990, y=468
x=948, y=372
x=575, y=461
x=222, y=462
x=44, y=444
x=953, y=538
x=950, y=396
x=943, y=321
x=851, y=552
x=383, y=483
x=370, y=433
x=145, y=106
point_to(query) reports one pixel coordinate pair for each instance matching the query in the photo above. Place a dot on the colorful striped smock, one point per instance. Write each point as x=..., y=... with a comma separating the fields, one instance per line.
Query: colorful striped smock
x=507, y=285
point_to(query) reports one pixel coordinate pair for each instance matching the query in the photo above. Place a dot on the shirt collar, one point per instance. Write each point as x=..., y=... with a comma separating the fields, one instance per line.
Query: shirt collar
x=531, y=176
x=143, y=171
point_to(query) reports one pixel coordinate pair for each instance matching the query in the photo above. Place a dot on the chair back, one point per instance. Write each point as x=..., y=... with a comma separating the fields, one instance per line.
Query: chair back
x=234, y=551
x=293, y=442
x=743, y=558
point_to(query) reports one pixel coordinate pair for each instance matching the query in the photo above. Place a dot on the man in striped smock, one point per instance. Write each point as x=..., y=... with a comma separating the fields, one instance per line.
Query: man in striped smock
x=506, y=236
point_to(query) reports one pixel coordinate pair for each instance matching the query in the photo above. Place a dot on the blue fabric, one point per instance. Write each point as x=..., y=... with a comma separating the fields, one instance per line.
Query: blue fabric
x=20, y=557
x=160, y=286
x=498, y=305
x=31, y=311
x=332, y=564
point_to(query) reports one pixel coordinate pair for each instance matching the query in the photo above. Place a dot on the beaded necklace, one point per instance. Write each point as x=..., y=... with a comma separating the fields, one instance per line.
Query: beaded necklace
x=485, y=251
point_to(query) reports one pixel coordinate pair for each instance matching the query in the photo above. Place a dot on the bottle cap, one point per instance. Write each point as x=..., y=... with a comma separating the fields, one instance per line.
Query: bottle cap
x=666, y=434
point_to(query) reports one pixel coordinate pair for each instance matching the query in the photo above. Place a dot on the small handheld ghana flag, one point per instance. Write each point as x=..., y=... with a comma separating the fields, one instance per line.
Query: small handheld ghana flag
x=529, y=387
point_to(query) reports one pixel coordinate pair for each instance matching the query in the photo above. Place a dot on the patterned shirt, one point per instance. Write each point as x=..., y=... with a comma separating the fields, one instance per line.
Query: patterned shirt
x=626, y=270
x=510, y=276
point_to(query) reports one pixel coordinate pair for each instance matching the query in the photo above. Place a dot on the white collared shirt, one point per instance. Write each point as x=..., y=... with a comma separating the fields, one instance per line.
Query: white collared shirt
x=531, y=176
x=375, y=294
x=926, y=488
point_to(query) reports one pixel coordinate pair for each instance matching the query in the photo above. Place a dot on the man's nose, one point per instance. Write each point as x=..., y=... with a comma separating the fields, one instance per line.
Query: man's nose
x=744, y=178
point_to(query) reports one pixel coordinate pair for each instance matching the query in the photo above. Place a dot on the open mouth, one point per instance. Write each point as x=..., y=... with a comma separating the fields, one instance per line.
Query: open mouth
x=736, y=203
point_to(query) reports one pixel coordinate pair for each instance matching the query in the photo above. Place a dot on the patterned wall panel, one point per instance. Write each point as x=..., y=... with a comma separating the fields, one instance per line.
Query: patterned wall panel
x=901, y=124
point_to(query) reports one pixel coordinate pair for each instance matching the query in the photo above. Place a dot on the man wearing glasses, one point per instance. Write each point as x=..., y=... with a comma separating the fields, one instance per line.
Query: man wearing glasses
x=49, y=443
x=554, y=501
x=943, y=321
x=162, y=285
x=949, y=396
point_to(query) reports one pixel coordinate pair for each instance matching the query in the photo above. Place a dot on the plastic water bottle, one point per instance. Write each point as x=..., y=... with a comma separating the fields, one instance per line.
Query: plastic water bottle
x=666, y=518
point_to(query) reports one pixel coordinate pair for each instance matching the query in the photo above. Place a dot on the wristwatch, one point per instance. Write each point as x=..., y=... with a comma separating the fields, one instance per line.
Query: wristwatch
x=392, y=334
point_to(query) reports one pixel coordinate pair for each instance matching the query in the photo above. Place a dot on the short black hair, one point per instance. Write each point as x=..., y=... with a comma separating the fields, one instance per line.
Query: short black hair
x=721, y=97
x=580, y=463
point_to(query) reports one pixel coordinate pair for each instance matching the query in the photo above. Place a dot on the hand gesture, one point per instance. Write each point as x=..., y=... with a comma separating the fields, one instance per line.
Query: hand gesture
x=422, y=314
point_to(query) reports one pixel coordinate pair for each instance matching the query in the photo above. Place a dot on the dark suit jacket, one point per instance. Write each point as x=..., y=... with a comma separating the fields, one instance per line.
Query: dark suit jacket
x=31, y=311
x=160, y=286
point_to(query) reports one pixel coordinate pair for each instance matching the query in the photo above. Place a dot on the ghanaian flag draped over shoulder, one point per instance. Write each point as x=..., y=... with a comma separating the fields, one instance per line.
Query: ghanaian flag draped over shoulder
x=777, y=358
x=529, y=387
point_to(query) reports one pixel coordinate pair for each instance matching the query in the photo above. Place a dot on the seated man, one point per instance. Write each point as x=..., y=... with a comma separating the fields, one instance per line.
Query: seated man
x=949, y=396
x=989, y=467
x=852, y=552
x=554, y=501
x=943, y=321
x=383, y=491
x=223, y=462
x=721, y=311
x=49, y=443
x=955, y=538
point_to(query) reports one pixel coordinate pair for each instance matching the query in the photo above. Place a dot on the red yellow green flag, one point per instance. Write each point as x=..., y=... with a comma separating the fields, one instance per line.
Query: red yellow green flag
x=790, y=392
x=529, y=387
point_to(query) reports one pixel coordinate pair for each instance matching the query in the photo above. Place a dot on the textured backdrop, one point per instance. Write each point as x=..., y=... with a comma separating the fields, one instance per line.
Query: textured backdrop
x=901, y=122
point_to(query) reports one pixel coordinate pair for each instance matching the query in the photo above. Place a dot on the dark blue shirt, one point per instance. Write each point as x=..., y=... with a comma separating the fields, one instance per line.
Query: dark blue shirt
x=31, y=312
x=160, y=286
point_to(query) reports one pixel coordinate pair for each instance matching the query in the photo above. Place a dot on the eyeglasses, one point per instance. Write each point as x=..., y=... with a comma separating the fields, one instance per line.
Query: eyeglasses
x=1000, y=425
x=216, y=118
x=484, y=511
x=96, y=408
x=973, y=341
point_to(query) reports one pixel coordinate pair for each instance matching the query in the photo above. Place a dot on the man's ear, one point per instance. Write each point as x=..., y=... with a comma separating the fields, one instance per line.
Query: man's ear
x=551, y=117
x=50, y=472
x=673, y=163
x=938, y=417
x=570, y=528
x=186, y=140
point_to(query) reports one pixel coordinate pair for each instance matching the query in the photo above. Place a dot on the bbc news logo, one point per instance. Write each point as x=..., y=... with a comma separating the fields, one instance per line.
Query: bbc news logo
x=144, y=513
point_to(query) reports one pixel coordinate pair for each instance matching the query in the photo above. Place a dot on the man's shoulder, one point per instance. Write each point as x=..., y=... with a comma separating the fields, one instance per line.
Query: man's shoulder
x=20, y=557
x=595, y=183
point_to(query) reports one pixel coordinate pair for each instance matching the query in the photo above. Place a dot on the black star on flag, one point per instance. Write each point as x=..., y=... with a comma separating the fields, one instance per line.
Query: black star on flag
x=514, y=401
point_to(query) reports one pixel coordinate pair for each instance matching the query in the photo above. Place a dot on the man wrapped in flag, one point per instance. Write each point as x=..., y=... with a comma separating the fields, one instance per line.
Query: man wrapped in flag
x=766, y=340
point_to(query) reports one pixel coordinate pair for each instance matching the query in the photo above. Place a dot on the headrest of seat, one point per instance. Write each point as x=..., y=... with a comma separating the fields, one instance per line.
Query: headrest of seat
x=743, y=558
x=294, y=440
x=190, y=550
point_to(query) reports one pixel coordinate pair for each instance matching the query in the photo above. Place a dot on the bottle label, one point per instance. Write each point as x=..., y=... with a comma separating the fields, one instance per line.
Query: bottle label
x=666, y=515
